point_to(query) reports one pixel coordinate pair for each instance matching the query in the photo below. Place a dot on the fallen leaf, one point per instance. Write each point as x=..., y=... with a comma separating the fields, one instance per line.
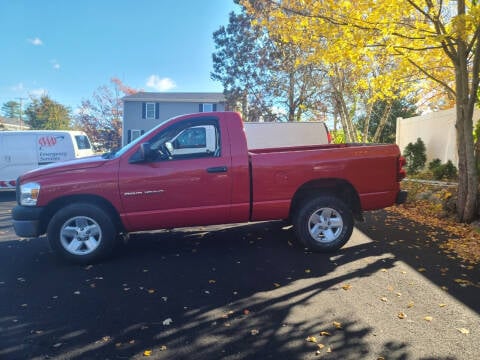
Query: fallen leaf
x=308, y=271
x=167, y=322
x=163, y=348
x=402, y=315
x=329, y=350
x=320, y=346
x=337, y=325
x=212, y=281
x=324, y=333
x=254, y=332
x=346, y=287
x=151, y=291
x=410, y=304
x=463, y=282
x=384, y=299
x=464, y=331
x=428, y=318
x=442, y=305
x=312, y=339
x=422, y=269
x=147, y=353
x=277, y=285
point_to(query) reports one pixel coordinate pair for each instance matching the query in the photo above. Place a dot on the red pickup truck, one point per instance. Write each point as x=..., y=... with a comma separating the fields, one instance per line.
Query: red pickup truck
x=196, y=170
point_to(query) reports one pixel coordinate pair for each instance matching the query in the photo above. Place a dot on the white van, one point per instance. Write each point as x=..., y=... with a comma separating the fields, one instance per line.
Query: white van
x=22, y=151
x=264, y=135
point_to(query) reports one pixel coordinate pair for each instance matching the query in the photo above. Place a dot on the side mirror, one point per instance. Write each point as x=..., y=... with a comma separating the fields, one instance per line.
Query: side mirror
x=146, y=152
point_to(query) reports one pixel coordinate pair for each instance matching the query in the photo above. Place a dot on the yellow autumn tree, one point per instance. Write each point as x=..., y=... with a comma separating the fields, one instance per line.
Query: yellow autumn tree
x=425, y=43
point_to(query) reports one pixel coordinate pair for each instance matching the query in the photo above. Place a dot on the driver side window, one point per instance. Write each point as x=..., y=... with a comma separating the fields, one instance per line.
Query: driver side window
x=194, y=139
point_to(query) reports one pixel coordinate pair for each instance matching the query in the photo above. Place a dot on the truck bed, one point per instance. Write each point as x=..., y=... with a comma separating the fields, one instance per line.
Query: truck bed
x=369, y=168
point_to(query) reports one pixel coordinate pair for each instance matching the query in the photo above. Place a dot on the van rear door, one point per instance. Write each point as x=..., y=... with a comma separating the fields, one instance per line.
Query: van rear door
x=19, y=155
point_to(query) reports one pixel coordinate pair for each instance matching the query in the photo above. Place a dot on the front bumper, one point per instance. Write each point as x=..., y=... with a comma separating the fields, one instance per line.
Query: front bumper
x=401, y=197
x=27, y=221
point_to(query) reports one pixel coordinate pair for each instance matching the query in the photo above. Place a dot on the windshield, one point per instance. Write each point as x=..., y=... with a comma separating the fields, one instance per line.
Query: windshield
x=123, y=150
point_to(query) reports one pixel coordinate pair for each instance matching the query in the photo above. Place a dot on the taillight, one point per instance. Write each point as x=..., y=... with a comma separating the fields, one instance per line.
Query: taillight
x=401, y=172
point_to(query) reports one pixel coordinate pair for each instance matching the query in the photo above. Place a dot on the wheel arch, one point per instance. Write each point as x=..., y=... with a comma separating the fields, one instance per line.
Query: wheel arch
x=338, y=188
x=63, y=201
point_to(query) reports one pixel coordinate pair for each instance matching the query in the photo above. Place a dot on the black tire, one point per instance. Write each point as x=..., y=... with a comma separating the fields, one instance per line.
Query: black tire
x=82, y=233
x=323, y=224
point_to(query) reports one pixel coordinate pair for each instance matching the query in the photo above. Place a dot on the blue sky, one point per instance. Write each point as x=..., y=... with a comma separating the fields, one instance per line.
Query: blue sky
x=70, y=48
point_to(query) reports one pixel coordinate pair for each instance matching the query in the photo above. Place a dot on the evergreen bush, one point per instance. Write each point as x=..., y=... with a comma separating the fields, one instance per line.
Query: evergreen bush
x=416, y=157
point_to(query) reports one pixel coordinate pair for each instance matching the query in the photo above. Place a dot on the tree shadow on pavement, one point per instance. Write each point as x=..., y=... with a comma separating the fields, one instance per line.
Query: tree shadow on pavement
x=236, y=292
x=420, y=247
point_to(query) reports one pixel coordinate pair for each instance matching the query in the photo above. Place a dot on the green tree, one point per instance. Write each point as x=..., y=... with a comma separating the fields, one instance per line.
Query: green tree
x=265, y=77
x=416, y=156
x=240, y=64
x=382, y=122
x=46, y=114
x=11, y=109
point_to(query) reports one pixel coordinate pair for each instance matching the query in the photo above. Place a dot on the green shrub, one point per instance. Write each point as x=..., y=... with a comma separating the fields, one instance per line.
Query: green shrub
x=442, y=171
x=435, y=163
x=416, y=157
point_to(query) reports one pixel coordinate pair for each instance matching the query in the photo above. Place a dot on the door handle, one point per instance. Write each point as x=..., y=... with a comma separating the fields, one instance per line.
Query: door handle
x=217, y=169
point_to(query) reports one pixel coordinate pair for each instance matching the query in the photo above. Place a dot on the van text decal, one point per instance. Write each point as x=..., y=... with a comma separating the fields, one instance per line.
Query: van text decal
x=48, y=141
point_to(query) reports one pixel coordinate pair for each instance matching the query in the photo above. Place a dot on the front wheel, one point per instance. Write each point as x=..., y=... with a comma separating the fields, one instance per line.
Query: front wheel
x=82, y=233
x=323, y=224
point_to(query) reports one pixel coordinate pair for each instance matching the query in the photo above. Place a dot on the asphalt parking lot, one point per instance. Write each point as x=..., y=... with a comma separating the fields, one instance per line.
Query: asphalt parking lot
x=245, y=291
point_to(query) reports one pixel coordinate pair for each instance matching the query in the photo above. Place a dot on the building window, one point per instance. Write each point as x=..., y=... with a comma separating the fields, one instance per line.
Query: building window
x=207, y=107
x=150, y=110
x=136, y=134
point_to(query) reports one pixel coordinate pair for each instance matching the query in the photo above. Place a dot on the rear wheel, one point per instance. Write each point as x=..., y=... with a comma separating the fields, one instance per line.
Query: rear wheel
x=82, y=233
x=323, y=224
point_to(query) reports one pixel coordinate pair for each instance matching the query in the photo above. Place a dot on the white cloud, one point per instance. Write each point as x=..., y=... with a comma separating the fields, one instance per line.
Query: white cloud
x=18, y=87
x=38, y=92
x=36, y=41
x=159, y=84
x=55, y=64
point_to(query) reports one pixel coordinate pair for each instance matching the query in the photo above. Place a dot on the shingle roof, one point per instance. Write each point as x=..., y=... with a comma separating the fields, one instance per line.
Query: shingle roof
x=12, y=124
x=176, y=97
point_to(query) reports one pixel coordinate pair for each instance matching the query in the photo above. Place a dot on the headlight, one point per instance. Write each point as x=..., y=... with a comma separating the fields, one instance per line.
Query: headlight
x=29, y=194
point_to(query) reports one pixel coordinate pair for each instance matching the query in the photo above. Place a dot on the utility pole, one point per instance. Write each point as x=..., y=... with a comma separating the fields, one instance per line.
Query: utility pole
x=20, y=113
